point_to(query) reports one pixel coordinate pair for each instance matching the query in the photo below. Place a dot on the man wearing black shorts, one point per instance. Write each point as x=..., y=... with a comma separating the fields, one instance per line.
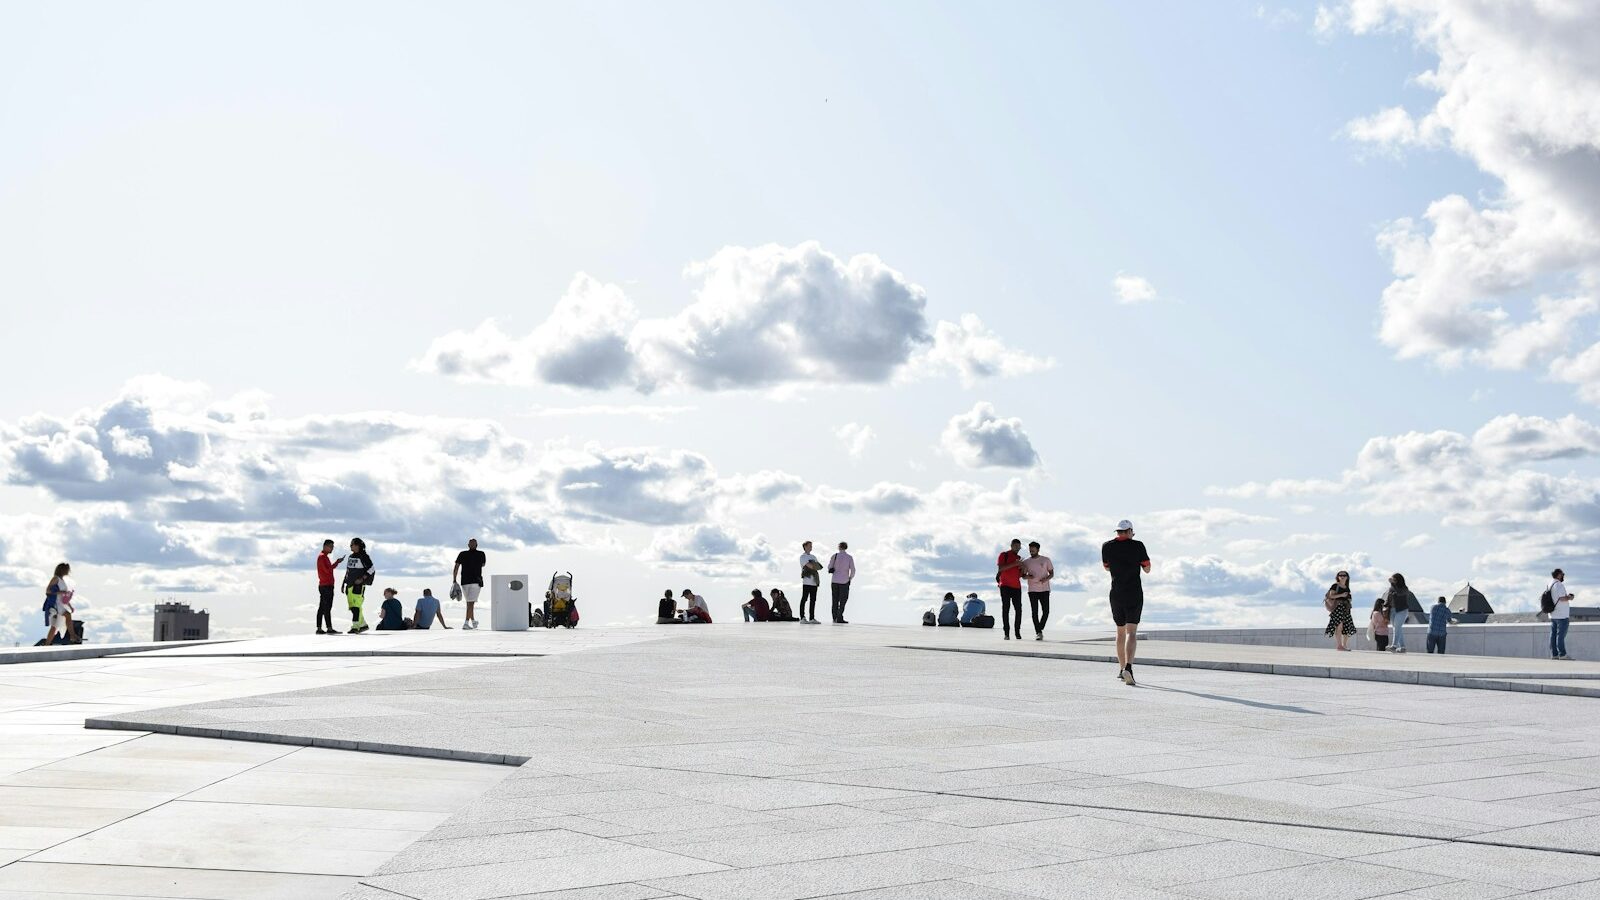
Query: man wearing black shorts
x=1125, y=558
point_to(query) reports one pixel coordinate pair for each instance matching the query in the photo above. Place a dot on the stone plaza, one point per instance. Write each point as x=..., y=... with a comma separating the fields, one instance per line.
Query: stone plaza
x=771, y=761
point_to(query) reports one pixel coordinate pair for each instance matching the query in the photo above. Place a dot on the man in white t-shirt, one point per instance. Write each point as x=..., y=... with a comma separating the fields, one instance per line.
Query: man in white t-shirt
x=809, y=567
x=843, y=568
x=1561, y=616
x=1038, y=570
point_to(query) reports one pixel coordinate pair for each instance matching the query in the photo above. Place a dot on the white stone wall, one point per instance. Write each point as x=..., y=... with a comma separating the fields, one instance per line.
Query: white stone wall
x=1524, y=640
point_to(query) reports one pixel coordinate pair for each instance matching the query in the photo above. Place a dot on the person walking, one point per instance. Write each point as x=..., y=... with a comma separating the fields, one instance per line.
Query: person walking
x=1560, y=614
x=358, y=573
x=1008, y=575
x=809, y=567
x=1399, y=600
x=1126, y=558
x=1438, y=621
x=1341, y=624
x=1378, y=625
x=1038, y=570
x=468, y=573
x=843, y=568
x=325, y=566
x=58, y=594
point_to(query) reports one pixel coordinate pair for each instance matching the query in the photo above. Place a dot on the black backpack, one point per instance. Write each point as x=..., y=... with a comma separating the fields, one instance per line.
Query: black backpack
x=1546, y=604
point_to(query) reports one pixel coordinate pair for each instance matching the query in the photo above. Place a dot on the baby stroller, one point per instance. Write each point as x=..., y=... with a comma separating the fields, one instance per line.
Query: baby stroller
x=560, y=607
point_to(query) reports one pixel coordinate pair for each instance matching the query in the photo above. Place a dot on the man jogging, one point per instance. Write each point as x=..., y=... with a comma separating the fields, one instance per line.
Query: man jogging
x=1008, y=575
x=1125, y=558
x=325, y=566
x=1038, y=570
x=843, y=568
x=809, y=567
x=468, y=573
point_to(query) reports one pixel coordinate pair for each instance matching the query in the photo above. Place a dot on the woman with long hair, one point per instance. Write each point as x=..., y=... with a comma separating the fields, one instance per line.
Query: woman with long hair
x=1337, y=602
x=1378, y=625
x=1399, y=600
x=58, y=602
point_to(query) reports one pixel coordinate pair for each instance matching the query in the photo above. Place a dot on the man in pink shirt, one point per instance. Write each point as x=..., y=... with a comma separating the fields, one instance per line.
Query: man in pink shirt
x=1038, y=570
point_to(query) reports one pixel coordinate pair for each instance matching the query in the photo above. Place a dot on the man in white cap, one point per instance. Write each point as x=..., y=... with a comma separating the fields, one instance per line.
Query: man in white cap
x=1125, y=558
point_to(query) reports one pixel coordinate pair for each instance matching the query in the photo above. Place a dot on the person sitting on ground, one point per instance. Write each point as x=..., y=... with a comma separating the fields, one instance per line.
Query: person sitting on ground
x=427, y=610
x=972, y=609
x=781, y=610
x=757, y=609
x=694, y=608
x=949, y=612
x=392, y=616
x=667, y=610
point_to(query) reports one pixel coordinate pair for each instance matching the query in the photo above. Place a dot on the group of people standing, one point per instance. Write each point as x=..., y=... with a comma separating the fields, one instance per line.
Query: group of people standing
x=466, y=582
x=1390, y=614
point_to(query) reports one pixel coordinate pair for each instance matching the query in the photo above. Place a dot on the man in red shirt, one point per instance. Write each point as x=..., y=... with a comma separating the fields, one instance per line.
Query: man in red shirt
x=1008, y=574
x=325, y=566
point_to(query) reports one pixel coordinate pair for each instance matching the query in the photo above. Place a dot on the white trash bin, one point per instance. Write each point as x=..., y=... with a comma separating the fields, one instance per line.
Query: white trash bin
x=508, y=602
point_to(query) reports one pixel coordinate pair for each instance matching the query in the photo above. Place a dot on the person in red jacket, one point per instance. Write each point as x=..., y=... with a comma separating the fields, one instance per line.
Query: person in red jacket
x=325, y=566
x=1008, y=574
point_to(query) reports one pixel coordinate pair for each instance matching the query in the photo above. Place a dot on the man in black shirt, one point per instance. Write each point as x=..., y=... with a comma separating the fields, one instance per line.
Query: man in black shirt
x=468, y=573
x=1125, y=558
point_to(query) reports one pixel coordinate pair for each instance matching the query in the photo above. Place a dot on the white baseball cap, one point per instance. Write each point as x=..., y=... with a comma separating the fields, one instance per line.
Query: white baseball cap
x=1124, y=525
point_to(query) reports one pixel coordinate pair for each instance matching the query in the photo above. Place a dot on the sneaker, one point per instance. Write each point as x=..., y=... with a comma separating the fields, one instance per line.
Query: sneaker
x=1399, y=649
x=843, y=622
x=1565, y=657
x=1039, y=636
x=1126, y=675
x=1008, y=635
x=320, y=631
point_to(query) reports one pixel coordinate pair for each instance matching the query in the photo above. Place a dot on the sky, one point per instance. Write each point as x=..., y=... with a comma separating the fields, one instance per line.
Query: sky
x=653, y=293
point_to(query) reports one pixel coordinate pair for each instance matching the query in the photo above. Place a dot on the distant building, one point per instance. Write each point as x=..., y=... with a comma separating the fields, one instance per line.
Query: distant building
x=177, y=622
x=1470, y=605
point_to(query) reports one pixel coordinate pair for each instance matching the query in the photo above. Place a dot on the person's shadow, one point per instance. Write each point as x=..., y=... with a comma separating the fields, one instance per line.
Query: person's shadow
x=1242, y=702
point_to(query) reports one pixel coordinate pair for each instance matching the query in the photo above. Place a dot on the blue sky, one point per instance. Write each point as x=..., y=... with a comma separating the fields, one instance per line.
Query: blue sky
x=288, y=212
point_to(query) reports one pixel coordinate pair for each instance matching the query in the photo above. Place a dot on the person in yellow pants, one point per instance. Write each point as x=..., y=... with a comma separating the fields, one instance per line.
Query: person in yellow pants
x=354, y=595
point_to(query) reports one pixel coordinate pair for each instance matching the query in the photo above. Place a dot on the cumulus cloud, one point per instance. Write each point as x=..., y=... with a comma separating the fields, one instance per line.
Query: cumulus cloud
x=855, y=437
x=710, y=550
x=884, y=498
x=1508, y=282
x=1132, y=289
x=1497, y=482
x=763, y=316
x=979, y=438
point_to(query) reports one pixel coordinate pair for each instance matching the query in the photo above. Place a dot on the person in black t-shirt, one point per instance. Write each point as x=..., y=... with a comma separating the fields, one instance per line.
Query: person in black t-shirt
x=1125, y=558
x=468, y=573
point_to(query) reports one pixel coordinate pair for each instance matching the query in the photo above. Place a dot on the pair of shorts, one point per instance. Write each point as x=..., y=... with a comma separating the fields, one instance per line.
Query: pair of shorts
x=469, y=592
x=1126, y=608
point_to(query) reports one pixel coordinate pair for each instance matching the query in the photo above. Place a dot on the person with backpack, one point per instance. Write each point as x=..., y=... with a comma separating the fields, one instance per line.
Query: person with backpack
x=1008, y=576
x=58, y=606
x=973, y=610
x=1398, y=600
x=358, y=573
x=1557, y=603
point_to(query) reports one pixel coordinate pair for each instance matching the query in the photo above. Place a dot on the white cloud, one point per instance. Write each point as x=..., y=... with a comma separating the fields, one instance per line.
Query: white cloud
x=855, y=437
x=1133, y=288
x=884, y=498
x=972, y=352
x=709, y=550
x=761, y=317
x=1510, y=282
x=1416, y=541
x=979, y=438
